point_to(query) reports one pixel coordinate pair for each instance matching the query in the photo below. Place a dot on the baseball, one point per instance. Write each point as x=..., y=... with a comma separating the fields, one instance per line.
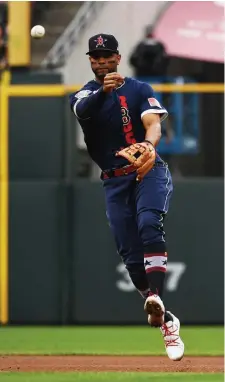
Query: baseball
x=38, y=31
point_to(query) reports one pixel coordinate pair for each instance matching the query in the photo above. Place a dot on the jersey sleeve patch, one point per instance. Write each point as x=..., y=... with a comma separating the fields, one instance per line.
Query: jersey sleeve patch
x=154, y=103
x=83, y=94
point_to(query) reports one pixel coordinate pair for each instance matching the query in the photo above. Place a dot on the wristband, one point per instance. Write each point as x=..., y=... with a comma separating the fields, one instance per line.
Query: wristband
x=146, y=140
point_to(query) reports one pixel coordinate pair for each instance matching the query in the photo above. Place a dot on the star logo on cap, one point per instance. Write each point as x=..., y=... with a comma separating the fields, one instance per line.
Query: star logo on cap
x=100, y=41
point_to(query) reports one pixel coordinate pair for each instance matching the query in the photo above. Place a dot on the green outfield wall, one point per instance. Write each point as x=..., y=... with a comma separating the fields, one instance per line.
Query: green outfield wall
x=63, y=265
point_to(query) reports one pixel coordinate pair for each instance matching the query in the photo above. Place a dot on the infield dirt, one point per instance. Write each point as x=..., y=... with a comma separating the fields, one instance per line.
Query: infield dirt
x=111, y=363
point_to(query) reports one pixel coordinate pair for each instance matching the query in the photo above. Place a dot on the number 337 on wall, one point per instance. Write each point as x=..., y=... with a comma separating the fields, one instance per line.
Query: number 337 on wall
x=175, y=270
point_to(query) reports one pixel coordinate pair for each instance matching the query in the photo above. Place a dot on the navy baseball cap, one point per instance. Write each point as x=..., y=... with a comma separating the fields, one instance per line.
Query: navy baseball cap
x=103, y=42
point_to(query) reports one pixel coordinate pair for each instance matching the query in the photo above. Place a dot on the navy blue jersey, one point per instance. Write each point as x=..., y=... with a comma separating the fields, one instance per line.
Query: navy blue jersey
x=112, y=121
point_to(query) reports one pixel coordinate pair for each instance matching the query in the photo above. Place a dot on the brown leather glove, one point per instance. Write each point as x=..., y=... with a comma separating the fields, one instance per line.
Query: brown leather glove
x=141, y=155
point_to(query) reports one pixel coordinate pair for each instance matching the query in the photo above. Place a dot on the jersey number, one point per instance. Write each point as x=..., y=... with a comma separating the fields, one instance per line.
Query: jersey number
x=125, y=116
x=175, y=271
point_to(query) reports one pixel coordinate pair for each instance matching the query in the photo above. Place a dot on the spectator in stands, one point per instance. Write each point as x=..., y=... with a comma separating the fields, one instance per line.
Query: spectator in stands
x=3, y=48
x=3, y=36
x=149, y=57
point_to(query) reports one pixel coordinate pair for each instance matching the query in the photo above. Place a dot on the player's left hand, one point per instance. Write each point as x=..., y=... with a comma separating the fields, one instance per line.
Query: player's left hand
x=141, y=155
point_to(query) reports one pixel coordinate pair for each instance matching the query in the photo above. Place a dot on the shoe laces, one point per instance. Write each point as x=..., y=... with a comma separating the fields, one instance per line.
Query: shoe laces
x=170, y=332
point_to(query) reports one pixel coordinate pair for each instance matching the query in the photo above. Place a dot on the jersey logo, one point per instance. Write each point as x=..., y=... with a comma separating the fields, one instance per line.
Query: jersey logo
x=127, y=124
x=100, y=42
x=83, y=94
x=153, y=102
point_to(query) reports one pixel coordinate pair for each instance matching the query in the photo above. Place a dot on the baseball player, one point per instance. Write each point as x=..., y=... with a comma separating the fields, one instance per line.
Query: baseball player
x=120, y=118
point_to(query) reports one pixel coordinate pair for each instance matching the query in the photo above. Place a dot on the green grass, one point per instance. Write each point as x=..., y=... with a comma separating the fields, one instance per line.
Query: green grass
x=110, y=377
x=105, y=340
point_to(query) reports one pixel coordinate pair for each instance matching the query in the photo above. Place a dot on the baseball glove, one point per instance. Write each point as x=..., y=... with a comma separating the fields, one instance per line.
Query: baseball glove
x=141, y=155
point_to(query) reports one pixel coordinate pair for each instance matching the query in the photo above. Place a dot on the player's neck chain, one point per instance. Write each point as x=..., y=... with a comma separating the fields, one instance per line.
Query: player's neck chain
x=118, y=87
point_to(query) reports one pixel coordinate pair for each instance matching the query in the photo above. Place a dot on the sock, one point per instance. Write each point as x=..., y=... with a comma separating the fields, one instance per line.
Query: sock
x=155, y=267
x=138, y=277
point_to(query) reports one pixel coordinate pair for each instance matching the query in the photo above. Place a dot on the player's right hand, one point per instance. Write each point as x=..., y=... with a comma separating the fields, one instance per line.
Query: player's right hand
x=112, y=81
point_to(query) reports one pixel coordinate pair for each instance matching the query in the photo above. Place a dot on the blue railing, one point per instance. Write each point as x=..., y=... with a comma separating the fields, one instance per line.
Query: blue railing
x=183, y=118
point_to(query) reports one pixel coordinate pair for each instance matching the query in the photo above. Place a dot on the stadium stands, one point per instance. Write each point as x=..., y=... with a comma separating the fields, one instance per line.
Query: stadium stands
x=3, y=35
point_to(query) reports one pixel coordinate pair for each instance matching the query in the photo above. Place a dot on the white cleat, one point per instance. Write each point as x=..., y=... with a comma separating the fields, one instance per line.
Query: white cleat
x=155, y=309
x=173, y=343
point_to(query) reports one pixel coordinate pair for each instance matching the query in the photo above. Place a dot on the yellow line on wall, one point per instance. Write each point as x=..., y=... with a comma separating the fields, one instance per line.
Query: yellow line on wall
x=60, y=90
x=4, y=316
x=189, y=88
x=36, y=90
x=174, y=88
